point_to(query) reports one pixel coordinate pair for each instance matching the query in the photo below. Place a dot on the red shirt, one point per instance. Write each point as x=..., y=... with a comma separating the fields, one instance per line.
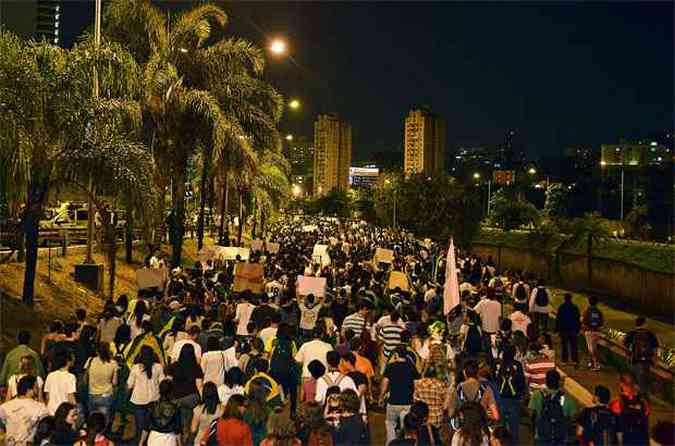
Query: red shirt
x=615, y=405
x=233, y=432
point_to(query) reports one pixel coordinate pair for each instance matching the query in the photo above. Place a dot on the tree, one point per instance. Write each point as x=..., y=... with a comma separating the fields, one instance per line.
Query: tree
x=46, y=112
x=510, y=211
x=186, y=61
x=555, y=206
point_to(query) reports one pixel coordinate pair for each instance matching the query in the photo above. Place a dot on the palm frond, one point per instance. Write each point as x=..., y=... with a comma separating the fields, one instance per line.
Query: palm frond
x=138, y=25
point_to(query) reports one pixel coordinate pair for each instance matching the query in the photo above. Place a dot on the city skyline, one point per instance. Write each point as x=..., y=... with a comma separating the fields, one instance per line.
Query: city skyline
x=484, y=68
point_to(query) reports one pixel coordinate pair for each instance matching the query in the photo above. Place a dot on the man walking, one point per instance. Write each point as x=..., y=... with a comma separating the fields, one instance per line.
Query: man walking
x=568, y=324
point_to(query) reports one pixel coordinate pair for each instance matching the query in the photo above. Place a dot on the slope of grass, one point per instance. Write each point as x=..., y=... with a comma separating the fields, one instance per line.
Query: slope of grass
x=649, y=256
x=60, y=297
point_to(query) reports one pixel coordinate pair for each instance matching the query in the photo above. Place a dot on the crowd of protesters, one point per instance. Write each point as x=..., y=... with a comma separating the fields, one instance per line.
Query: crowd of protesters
x=196, y=363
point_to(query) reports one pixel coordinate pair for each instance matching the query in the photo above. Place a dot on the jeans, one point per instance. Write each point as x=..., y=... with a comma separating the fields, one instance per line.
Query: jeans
x=569, y=341
x=641, y=372
x=290, y=387
x=141, y=418
x=187, y=405
x=394, y=416
x=511, y=415
x=102, y=404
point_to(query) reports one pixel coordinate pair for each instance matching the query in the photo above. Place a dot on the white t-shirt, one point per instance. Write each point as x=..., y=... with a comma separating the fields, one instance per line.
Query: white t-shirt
x=13, y=381
x=322, y=384
x=178, y=346
x=267, y=333
x=224, y=392
x=243, y=316
x=308, y=316
x=21, y=416
x=519, y=321
x=145, y=390
x=490, y=311
x=216, y=363
x=309, y=351
x=59, y=384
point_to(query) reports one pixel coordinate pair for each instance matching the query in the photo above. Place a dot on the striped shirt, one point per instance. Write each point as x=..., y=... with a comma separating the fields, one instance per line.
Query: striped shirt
x=390, y=335
x=535, y=371
x=356, y=322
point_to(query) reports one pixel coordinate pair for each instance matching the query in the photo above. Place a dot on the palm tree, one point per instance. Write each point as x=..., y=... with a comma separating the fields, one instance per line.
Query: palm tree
x=198, y=90
x=46, y=112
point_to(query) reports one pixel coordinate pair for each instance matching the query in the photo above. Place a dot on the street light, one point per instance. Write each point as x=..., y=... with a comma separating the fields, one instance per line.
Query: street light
x=297, y=190
x=603, y=164
x=476, y=176
x=278, y=47
x=294, y=104
x=289, y=137
x=532, y=171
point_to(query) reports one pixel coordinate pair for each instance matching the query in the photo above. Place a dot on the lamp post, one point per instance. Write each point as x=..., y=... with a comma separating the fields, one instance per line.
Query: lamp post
x=395, y=200
x=603, y=164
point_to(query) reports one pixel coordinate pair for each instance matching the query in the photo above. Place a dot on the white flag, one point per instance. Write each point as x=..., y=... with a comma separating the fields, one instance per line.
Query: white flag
x=451, y=286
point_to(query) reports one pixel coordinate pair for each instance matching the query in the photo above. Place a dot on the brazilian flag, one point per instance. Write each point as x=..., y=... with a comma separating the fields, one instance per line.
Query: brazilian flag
x=133, y=349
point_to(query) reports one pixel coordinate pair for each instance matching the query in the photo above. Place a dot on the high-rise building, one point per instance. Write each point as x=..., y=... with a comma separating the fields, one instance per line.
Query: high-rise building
x=301, y=155
x=424, y=143
x=33, y=18
x=332, y=153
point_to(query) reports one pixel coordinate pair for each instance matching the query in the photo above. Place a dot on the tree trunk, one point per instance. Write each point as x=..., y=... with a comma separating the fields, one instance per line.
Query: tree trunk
x=240, y=228
x=212, y=196
x=255, y=220
x=178, y=220
x=111, y=251
x=31, y=222
x=20, y=243
x=262, y=225
x=129, y=239
x=202, y=205
x=224, y=232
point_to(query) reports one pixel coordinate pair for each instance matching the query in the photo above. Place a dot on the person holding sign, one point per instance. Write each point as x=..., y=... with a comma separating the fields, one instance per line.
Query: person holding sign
x=309, y=313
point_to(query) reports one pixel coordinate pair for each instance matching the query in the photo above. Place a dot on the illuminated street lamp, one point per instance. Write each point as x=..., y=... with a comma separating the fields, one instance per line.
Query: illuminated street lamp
x=294, y=104
x=297, y=190
x=289, y=137
x=278, y=47
x=476, y=176
x=532, y=171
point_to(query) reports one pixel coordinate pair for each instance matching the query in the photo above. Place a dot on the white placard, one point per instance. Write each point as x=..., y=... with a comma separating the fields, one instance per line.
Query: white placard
x=231, y=253
x=256, y=245
x=320, y=253
x=307, y=285
x=309, y=228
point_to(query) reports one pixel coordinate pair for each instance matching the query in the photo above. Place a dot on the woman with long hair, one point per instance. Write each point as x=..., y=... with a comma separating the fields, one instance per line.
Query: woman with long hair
x=96, y=428
x=102, y=377
x=108, y=324
x=122, y=338
x=233, y=384
x=474, y=422
x=231, y=429
x=281, y=430
x=26, y=368
x=313, y=428
x=137, y=318
x=205, y=413
x=214, y=362
x=188, y=379
x=257, y=411
x=144, y=379
x=165, y=418
x=65, y=426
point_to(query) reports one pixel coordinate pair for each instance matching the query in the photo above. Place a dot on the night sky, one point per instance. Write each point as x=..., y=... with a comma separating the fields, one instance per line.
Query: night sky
x=561, y=74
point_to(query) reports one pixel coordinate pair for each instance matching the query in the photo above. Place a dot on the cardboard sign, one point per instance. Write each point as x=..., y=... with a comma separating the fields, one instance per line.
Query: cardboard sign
x=256, y=245
x=231, y=253
x=311, y=285
x=272, y=248
x=249, y=276
x=398, y=279
x=383, y=256
x=150, y=277
x=320, y=255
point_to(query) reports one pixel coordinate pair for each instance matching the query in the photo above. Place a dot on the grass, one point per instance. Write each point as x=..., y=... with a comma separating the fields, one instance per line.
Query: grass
x=60, y=297
x=655, y=257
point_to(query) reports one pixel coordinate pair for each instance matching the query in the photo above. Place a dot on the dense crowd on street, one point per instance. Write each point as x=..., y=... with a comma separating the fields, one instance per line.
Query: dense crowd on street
x=195, y=362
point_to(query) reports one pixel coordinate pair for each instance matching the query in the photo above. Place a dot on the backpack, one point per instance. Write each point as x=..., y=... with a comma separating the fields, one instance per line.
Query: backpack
x=455, y=422
x=332, y=385
x=521, y=294
x=473, y=344
x=602, y=428
x=641, y=347
x=281, y=360
x=541, y=298
x=552, y=424
x=511, y=381
x=594, y=318
x=162, y=413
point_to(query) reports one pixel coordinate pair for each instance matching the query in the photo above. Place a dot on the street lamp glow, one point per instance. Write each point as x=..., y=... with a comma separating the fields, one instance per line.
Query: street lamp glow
x=603, y=163
x=476, y=175
x=289, y=137
x=297, y=190
x=278, y=47
x=532, y=171
x=294, y=104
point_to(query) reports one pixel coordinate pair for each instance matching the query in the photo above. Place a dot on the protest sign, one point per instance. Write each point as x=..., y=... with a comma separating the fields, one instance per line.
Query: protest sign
x=272, y=248
x=311, y=285
x=150, y=277
x=249, y=276
x=231, y=253
x=398, y=279
x=256, y=245
x=383, y=256
x=320, y=255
